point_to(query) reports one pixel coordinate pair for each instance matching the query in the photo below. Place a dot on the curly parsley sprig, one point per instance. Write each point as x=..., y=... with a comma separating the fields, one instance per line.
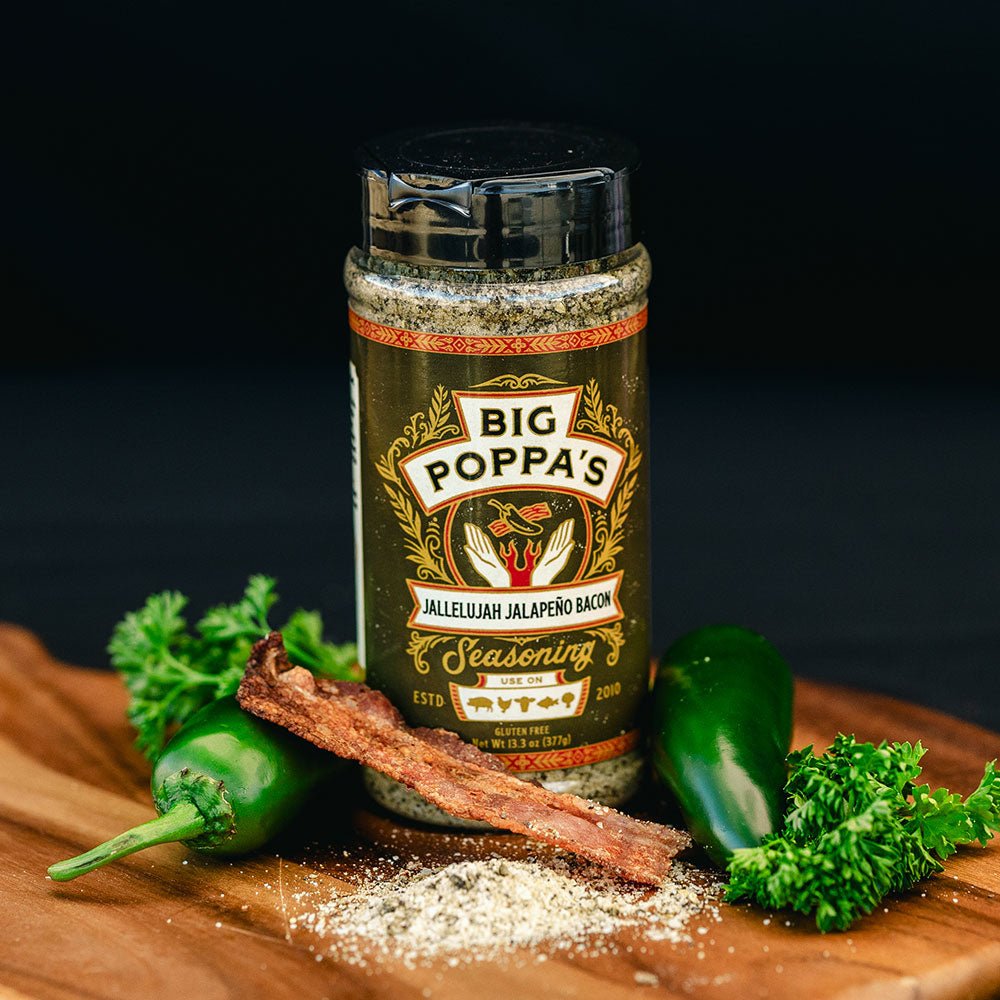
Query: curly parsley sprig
x=170, y=673
x=858, y=828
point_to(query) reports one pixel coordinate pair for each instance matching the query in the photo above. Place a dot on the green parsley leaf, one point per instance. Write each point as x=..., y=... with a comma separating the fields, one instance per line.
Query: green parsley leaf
x=246, y=619
x=170, y=673
x=303, y=635
x=858, y=828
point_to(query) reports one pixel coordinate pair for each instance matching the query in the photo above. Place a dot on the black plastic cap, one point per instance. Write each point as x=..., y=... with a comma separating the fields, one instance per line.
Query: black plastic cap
x=500, y=195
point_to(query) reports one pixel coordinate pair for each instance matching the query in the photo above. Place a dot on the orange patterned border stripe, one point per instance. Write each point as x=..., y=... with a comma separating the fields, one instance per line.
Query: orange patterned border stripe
x=551, y=760
x=539, y=343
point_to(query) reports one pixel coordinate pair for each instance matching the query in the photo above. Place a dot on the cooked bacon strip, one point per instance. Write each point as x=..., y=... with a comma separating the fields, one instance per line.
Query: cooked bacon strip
x=354, y=721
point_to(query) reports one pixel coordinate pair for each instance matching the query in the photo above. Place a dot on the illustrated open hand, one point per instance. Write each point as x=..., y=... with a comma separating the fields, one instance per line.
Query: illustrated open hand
x=555, y=556
x=484, y=557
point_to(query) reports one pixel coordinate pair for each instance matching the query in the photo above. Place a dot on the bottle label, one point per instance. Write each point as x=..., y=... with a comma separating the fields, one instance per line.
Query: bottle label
x=503, y=519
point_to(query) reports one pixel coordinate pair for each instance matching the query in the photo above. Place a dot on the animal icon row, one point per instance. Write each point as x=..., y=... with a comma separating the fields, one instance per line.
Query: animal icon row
x=482, y=703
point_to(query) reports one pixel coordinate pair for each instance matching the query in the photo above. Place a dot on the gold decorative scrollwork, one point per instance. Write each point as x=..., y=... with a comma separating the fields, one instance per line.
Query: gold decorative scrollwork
x=606, y=420
x=613, y=638
x=423, y=536
x=518, y=381
x=421, y=643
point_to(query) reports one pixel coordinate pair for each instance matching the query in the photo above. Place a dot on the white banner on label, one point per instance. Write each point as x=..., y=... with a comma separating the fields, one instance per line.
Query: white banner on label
x=516, y=610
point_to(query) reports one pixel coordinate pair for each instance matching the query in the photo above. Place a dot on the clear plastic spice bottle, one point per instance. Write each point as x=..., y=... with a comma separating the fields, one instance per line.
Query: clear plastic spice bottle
x=498, y=376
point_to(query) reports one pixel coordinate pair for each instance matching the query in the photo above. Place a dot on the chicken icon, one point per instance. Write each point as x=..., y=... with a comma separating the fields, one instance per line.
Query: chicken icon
x=537, y=569
x=504, y=704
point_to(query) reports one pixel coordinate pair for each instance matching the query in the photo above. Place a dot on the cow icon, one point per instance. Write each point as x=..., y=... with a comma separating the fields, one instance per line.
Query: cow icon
x=524, y=702
x=480, y=702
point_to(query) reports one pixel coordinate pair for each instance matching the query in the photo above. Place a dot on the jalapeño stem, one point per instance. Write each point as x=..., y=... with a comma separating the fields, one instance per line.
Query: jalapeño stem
x=181, y=822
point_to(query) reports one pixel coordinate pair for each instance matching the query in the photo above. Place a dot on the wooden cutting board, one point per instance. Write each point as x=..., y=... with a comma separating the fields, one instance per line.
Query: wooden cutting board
x=168, y=923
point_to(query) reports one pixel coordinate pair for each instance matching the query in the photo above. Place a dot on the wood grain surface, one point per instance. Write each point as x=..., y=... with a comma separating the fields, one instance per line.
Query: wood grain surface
x=168, y=923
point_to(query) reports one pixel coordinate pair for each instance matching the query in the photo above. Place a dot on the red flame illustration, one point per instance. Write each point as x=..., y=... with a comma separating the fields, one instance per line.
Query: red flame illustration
x=520, y=576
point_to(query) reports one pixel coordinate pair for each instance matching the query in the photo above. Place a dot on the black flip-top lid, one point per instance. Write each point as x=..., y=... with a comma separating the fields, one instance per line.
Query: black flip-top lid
x=497, y=195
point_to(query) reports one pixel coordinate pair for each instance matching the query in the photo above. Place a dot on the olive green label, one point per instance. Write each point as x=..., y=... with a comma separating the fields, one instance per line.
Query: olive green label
x=501, y=536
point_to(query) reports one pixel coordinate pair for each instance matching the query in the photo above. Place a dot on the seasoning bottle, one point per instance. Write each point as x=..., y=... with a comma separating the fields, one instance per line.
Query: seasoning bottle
x=501, y=478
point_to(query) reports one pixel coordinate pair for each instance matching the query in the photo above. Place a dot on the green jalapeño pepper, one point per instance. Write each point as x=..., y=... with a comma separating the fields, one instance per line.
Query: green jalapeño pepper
x=721, y=729
x=226, y=783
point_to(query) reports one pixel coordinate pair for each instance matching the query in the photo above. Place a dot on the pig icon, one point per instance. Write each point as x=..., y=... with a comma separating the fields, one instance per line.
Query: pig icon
x=479, y=702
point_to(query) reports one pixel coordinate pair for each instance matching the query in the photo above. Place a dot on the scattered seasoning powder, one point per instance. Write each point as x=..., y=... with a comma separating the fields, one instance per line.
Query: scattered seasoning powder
x=482, y=910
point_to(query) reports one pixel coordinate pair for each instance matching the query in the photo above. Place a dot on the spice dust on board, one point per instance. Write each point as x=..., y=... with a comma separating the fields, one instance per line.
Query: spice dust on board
x=489, y=909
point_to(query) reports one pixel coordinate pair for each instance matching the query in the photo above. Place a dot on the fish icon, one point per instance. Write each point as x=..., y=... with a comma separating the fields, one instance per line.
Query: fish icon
x=548, y=702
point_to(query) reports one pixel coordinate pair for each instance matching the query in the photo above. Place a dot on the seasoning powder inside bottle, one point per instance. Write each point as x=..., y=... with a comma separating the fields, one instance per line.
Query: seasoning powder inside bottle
x=498, y=378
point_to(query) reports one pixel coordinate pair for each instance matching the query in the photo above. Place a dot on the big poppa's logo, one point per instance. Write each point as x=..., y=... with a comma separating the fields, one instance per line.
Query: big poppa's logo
x=513, y=441
x=513, y=507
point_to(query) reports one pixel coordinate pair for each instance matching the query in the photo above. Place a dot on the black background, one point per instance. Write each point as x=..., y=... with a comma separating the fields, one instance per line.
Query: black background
x=820, y=199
